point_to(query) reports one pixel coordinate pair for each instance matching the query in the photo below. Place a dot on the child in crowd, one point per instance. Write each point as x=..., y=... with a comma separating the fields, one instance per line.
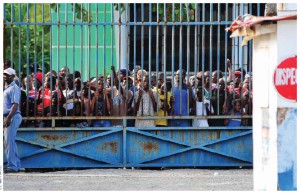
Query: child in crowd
x=165, y=106
x=235, y=111
x=203, y=108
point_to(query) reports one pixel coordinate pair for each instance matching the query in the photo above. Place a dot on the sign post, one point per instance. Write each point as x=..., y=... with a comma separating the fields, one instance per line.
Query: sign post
x=285, y=79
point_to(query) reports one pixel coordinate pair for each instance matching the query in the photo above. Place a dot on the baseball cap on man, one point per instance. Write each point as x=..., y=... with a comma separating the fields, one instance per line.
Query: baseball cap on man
x=240, y=71
x=9, y=71
x=237, y=73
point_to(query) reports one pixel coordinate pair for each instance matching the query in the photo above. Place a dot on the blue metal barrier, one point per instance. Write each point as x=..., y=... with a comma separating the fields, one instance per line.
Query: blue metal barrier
x=63, y=147
x=134, y=147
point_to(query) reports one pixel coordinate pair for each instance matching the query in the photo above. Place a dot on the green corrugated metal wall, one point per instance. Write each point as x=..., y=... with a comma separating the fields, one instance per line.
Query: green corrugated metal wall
x=78, y=50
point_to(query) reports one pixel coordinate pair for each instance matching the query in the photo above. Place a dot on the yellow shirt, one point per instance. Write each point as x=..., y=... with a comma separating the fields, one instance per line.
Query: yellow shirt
x=161, y=112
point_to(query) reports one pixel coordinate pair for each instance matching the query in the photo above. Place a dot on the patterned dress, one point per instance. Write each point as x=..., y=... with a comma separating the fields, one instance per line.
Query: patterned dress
x=145, y=109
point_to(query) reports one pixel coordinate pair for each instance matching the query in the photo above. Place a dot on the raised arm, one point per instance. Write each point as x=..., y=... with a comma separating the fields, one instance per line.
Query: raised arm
x=230, y=73
x=115, y=80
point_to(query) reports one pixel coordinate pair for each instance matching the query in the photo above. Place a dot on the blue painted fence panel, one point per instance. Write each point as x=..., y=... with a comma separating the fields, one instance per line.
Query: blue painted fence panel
x=89, y=148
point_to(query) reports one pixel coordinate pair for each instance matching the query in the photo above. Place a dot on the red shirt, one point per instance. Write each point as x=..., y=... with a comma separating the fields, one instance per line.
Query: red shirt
x=47, y=99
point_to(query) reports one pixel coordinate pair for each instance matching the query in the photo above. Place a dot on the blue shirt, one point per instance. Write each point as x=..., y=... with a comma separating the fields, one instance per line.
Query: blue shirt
x=235, y=122
x=184, y=100
x=11, y=95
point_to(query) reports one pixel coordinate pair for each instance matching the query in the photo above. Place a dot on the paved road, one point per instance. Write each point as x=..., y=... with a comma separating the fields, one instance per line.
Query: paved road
x=132, y=179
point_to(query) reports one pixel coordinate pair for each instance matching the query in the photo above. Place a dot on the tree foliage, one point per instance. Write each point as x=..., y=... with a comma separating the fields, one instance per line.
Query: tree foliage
x=187, y=11
x=27, y=44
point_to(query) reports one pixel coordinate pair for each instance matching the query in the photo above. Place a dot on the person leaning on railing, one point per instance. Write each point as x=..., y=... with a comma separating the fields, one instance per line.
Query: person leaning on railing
x=121, y=96
x=165, y=106
x=100, y=105
x=146, y=102
x=219, y=99
x=237, y=110
x=185, y=92
x=50, y=103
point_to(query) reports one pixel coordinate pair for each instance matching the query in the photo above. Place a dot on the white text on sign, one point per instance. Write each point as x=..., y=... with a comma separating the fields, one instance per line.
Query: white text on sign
x=286, y=75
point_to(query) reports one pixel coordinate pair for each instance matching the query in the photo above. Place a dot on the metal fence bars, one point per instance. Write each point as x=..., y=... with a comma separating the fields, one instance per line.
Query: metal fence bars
x=108, y=85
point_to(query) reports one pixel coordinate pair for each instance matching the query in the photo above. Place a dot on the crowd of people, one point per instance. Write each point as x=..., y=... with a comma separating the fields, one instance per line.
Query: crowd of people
x=135, y=93
x=150, y=99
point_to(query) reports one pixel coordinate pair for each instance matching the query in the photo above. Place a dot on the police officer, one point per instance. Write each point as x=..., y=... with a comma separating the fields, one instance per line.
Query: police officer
x=12, y=120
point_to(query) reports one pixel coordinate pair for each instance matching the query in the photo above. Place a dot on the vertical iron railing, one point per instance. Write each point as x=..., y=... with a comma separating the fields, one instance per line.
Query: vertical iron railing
x=204, y=58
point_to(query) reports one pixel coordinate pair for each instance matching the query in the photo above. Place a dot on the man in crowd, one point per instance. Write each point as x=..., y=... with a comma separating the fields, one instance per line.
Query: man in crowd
x=121, y=96
x=146, y=102
x=65, y=70
x=183, y=100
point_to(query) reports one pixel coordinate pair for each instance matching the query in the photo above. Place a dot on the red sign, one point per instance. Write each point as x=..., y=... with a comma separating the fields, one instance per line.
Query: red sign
x=285, y=78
